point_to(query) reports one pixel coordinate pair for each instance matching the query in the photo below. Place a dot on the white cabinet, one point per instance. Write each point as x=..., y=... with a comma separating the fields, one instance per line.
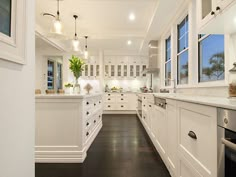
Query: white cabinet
x=124, y=67
x=197, y=131
x=215, y=15
x=122, y=102
x=172, y=138
x=185, y=135
x=92, y=69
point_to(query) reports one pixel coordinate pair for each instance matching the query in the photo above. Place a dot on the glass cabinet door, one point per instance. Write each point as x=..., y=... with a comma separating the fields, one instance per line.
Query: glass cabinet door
x=91, y=70
x=59, y=76
x=97, y=70
x=144, y=67
x=131, y=72
x=50, y=78
x=107, y=71
x=137, y=70
x=125, y=73
x=112, y=70
x=86, y=71
x=119, y=70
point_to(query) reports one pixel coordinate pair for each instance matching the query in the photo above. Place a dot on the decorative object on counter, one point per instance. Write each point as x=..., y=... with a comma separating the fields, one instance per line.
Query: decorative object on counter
x=37, y=91
x=76, y=67
x=88, y=87
x=50, y=91
x=107, y=88
x=232, y=85
x=69, y=88
x=144, y=89
x=164, y=91
x=61, y=91
x=116, y=89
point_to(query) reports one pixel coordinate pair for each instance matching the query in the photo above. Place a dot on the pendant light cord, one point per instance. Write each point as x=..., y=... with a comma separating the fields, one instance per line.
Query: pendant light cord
x=58, y=13
x=75, y=16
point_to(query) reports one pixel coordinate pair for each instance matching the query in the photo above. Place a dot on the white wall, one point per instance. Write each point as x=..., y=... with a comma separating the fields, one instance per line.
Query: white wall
x=17, y=110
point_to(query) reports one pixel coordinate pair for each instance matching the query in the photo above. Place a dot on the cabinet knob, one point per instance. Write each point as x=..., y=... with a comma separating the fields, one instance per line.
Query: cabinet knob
x=87, y=103
x=109, y=99
x=122, y=106
x=87, y=124
x=217, y=8
x=87, y=134
x=192, y=135
x=150, y=106
x=212, y=13
x=87, y=113
x=143, y=105
x=99, y=116
x=99, y=102
x=108, y=106
x=122, y=99
x=94, y=121
x=109, y=94
x=94, y=104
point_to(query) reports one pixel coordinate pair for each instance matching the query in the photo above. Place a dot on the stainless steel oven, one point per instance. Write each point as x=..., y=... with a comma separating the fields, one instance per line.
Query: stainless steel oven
x=226, y=143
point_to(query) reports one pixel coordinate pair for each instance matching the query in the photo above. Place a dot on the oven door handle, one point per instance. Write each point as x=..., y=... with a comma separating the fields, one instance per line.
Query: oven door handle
x=228, y=144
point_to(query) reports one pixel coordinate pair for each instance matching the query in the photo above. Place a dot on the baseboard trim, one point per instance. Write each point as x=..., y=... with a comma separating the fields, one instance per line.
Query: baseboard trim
x=119, y=112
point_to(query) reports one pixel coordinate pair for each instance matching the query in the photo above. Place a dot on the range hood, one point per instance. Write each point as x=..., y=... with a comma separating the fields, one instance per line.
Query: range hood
x=153, y=58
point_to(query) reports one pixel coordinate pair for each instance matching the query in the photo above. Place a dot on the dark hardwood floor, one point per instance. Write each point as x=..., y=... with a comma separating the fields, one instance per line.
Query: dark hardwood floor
x=121, y=149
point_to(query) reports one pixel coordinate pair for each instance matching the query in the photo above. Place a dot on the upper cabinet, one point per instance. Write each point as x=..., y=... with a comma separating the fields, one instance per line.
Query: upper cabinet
x=92, y=69
x=216, y=16
x=127, y=67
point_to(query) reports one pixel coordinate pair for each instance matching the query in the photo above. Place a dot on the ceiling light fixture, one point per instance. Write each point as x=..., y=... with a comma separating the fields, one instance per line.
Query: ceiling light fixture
x=75, y=41
x=129, y=42
x=86, y=48
x=132, y=17
x=57, y=26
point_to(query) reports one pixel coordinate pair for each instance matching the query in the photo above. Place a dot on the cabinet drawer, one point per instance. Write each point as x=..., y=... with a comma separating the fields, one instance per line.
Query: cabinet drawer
x=108, y=106
x=110, y=99
x=122, y=99
x=198, y=136
x=121, y=106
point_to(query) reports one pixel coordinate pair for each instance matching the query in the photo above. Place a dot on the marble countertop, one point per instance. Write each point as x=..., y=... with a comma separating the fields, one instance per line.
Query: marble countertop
x=67, y=96
x=220, y=102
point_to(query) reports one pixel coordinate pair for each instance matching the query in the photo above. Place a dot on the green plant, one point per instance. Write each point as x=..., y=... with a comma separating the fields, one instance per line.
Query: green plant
x=68, y=85
x=76, y=66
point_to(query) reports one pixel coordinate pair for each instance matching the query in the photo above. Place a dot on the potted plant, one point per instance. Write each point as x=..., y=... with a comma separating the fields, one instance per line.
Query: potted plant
x=68, y=87
x=76, y=67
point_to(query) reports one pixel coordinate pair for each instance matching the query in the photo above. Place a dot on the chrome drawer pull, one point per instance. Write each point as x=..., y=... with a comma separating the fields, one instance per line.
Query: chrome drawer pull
x=228, y=144
x=192, y=135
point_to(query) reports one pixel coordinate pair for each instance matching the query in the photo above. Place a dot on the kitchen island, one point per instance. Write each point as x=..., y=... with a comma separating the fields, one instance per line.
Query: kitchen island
x=66, y=126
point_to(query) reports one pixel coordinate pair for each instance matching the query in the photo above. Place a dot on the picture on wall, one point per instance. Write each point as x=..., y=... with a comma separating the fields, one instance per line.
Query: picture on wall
x=5, y=17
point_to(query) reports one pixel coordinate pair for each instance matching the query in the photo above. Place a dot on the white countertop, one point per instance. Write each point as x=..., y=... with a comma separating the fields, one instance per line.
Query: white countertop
x=67, y=96
x=220, y=102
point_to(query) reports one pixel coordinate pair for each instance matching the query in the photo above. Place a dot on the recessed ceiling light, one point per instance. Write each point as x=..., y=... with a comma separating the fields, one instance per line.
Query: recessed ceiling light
x=131, y=17
x=129, y=42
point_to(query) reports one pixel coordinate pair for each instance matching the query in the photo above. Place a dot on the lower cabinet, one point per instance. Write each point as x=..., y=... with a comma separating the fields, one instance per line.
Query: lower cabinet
x=185, y=135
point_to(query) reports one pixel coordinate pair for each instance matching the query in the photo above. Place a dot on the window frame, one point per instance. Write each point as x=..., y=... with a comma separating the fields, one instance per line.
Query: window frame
x=167, y=61
x=186, y=49
x=199, y=62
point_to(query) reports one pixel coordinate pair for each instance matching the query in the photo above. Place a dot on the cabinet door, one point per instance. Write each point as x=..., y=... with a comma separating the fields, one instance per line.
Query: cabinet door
x=86, y=70
x=137, y=70
x=91, y=70
x=112, y=71
x=200, y=149
x=119, y=71
x=125, y=70
x=97, y=70
x=131, y=71
x=143, y=68
x=107, y=72
x=172, y=132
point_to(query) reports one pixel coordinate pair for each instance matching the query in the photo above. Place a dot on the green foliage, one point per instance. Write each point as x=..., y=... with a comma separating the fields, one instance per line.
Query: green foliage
x=217, y=66
x=76, y=66
x=68, y=85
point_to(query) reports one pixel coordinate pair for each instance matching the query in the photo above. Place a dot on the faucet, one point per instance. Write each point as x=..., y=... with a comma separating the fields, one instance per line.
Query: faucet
x=174, y=81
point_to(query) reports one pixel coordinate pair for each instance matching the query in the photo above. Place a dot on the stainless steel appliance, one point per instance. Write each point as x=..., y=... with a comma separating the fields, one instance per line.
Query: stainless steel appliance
x=139, y=108
x=226, y=134
x=160, y=102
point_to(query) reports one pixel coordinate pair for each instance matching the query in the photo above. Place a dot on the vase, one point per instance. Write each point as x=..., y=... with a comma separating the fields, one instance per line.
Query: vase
x=76, y=88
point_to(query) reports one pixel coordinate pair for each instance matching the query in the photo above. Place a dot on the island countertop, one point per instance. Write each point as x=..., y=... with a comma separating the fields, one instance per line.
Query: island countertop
x=67, y=96
x=219, y=102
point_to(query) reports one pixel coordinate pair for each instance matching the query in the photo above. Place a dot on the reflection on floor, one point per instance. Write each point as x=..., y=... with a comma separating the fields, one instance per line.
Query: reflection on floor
x=122, y=149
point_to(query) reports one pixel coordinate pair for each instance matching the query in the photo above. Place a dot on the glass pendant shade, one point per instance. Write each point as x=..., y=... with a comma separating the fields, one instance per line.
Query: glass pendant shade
x=86, y=54
x=57, y=26
x=75, y=44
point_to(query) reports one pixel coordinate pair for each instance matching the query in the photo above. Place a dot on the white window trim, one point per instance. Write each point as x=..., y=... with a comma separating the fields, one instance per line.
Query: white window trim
x=168, y=61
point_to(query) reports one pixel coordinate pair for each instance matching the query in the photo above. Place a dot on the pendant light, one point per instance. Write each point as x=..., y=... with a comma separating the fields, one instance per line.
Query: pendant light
x=75, y=41
x=57, y=26
x=86, y=48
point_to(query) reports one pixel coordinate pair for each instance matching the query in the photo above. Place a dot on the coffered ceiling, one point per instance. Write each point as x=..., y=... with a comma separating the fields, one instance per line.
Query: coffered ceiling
x=106, y=22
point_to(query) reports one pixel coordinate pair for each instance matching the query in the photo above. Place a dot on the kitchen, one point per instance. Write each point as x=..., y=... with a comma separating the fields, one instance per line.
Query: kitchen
x=156, y=95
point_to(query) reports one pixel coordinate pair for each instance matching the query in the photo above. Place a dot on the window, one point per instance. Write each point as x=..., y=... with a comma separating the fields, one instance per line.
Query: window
x=54, y=77
x=182, y=54
x=168, y=62
x=211, y=58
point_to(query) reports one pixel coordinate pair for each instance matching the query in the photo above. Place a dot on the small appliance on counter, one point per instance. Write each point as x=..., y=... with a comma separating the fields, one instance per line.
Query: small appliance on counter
x=146, y=90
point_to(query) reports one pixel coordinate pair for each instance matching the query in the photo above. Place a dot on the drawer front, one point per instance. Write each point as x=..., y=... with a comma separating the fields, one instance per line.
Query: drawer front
x=122, y=99
x=121, y=106
x=198, y=136
x=110, y=99
x=108, y=106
